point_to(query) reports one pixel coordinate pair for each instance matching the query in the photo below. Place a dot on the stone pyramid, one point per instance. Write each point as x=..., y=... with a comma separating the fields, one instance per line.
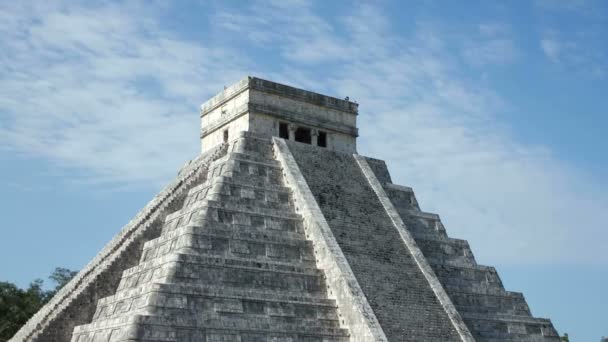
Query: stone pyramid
x=280, y=232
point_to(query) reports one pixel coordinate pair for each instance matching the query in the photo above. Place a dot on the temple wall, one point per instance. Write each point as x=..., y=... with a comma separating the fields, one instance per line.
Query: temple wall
x=234, y=125
x=258, y=106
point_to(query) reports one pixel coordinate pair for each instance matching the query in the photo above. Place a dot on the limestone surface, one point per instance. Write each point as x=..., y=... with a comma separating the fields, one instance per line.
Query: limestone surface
x=280, y=232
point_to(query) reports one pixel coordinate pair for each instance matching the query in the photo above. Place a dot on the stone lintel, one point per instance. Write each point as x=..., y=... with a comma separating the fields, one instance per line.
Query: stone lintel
x=279, y=113
x=282, y=90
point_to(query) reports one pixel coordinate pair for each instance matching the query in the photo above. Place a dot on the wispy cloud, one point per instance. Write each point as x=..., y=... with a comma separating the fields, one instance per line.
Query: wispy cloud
x=115, y=95
x=575, y=55
x=98, y=89
x=492, y=44
x=580, y=49
x=552, y=49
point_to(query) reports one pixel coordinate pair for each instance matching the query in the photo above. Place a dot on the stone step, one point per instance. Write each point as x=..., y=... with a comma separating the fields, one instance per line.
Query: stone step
x=255, y=225
x=247, y=183
x=450, y=260
x=441, y=239
x=510, y=303
x=251, y=144
x=205, y=308
x=227, y=186
x=468, y=277
x=254, y=199
x=447, y=251
x=253, y=246
x=476, y=289
x=269, y=167
x=255, y=180
x=422, y=223
x=513, y=337
x=150, y=328
x=402, y=197
x=231, y=231
x=254, y=157
x=248, y=172
x=270, y=218
x=261, y=207
x=185, y=268
x=509, y=328
x=240, y=207
x=218, y=261
x=214, y=291
x=518, y=338
x=195, y=196
x=506, y=318
x=247, y=196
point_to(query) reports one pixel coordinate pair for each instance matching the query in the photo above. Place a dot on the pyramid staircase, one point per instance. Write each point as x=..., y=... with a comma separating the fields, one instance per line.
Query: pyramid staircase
x=233, y=264
x=491, y=312
x=381, y=263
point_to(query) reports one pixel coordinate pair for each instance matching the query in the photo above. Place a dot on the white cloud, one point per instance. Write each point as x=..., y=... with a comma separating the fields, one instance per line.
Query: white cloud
x=570, y=6
x=492, y=44
x=577, y=54
x=494, y=51
x=551, y=48
x=578, y=48
x=115, y=95
x=494, y=29
x=101, y=90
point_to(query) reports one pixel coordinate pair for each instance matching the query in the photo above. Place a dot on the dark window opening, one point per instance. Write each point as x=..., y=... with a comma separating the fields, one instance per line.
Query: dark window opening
x=226, y=136
x=303, y=135
x=322, y=139
x=283, y=130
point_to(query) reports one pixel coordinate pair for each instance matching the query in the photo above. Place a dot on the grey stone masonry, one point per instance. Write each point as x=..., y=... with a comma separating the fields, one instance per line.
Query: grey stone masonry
x=231, y=264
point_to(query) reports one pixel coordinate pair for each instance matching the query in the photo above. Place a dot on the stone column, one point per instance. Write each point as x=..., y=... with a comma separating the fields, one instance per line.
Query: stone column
x=292, y=132
x=314, y=135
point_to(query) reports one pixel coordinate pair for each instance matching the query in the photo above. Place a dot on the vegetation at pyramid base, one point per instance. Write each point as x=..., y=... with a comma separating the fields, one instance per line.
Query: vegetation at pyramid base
x=18, y=305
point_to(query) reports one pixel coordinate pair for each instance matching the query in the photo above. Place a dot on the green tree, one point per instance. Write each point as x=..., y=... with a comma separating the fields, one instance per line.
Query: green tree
x=565, y=338
x=60, y=277
x=18, y=305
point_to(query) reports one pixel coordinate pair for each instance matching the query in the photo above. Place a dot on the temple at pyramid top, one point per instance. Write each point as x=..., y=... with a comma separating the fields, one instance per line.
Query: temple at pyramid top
x=272, y=109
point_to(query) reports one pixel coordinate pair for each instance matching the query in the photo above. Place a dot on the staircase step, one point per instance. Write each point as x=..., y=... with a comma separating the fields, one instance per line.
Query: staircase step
x=510, y=303
x=208, y=290
x=165, y=328
x=253, y=246
x=185, y=268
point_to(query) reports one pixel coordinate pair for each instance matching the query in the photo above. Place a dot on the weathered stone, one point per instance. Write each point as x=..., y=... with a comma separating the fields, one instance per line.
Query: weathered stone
x=269, y=239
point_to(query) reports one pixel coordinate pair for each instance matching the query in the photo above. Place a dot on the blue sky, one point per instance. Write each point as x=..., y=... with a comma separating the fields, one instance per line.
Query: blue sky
x=495, y=112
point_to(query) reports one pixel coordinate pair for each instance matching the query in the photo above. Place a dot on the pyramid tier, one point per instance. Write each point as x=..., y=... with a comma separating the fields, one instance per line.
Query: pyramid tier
x=262, y=245
x=229, y=328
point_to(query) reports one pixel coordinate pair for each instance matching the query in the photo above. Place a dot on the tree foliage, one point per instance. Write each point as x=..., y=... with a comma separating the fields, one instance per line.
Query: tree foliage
x=18, y=305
